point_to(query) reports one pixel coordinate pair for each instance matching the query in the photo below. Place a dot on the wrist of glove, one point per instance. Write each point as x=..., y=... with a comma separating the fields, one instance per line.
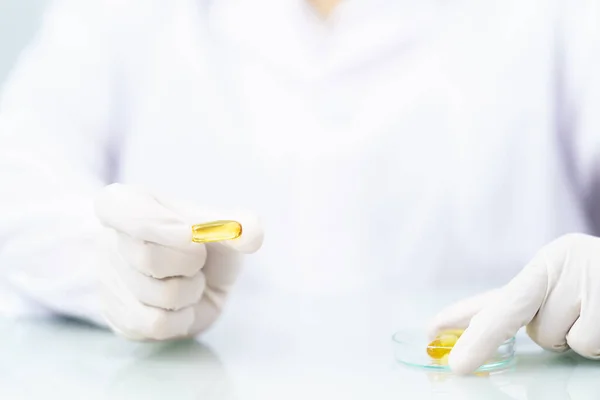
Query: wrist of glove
x=158, y=284
x=556, y=296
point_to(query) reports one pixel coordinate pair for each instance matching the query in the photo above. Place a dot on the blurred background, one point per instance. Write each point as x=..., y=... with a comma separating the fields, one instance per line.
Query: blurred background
x=19, y=20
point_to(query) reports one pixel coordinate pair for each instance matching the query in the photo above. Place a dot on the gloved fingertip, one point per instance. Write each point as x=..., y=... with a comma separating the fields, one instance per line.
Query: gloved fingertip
x=459, y=366
x=247, y=243
x=252, y=237
x=474, y=348
x=462, y=360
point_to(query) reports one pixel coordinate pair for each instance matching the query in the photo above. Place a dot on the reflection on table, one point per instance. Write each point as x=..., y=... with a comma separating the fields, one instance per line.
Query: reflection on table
x=272, y=347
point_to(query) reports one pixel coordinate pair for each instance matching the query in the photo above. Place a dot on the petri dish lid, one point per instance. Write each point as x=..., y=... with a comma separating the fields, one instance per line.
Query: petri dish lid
x=410, y=348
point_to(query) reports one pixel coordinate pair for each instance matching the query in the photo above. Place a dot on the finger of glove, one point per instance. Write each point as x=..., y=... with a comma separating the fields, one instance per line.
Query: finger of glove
x=206, y=311
x=221, y=270
x=584, y=335
x=458, y=315
x=555, y=318
x=514, y=307
x=561, y=307
x=170, y=293
x=556, y=315
x=149, y=323
x=134, y=320
x=130, y=318
x=135, y=212
x=222, y=267
x=159, y=261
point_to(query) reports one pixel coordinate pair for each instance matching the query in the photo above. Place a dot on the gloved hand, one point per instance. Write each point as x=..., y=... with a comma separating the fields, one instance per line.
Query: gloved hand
x=556, y=296
x=159, y=284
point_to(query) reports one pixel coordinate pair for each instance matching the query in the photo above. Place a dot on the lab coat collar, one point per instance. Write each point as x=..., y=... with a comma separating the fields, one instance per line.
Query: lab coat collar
x=290, y=36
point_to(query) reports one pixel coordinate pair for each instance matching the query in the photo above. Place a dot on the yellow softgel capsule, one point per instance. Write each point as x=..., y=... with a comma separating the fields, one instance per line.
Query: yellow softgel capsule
x=216, y=231
x=440, y=347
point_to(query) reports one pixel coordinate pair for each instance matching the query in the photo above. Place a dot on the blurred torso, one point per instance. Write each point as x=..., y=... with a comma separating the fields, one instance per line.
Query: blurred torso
x=396, y=141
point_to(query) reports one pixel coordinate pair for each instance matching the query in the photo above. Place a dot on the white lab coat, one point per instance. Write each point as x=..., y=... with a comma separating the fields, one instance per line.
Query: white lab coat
x=401, y=143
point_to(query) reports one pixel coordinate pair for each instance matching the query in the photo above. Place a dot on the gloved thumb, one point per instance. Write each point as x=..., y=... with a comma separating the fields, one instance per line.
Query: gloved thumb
x=135, y=212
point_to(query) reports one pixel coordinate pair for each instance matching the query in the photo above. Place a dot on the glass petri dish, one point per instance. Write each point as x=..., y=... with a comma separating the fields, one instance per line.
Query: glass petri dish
x=410, y=348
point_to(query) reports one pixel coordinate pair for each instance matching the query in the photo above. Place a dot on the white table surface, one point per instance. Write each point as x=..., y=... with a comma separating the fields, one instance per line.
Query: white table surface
x=271, y=347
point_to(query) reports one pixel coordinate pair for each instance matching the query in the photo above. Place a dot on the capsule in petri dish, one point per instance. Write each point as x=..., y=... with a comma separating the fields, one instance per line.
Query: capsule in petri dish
x=216, y=231
x=440, y=347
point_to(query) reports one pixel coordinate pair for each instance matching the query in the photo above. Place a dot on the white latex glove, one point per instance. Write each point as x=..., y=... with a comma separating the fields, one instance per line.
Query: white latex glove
x=159, y=284
x=556, y=296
